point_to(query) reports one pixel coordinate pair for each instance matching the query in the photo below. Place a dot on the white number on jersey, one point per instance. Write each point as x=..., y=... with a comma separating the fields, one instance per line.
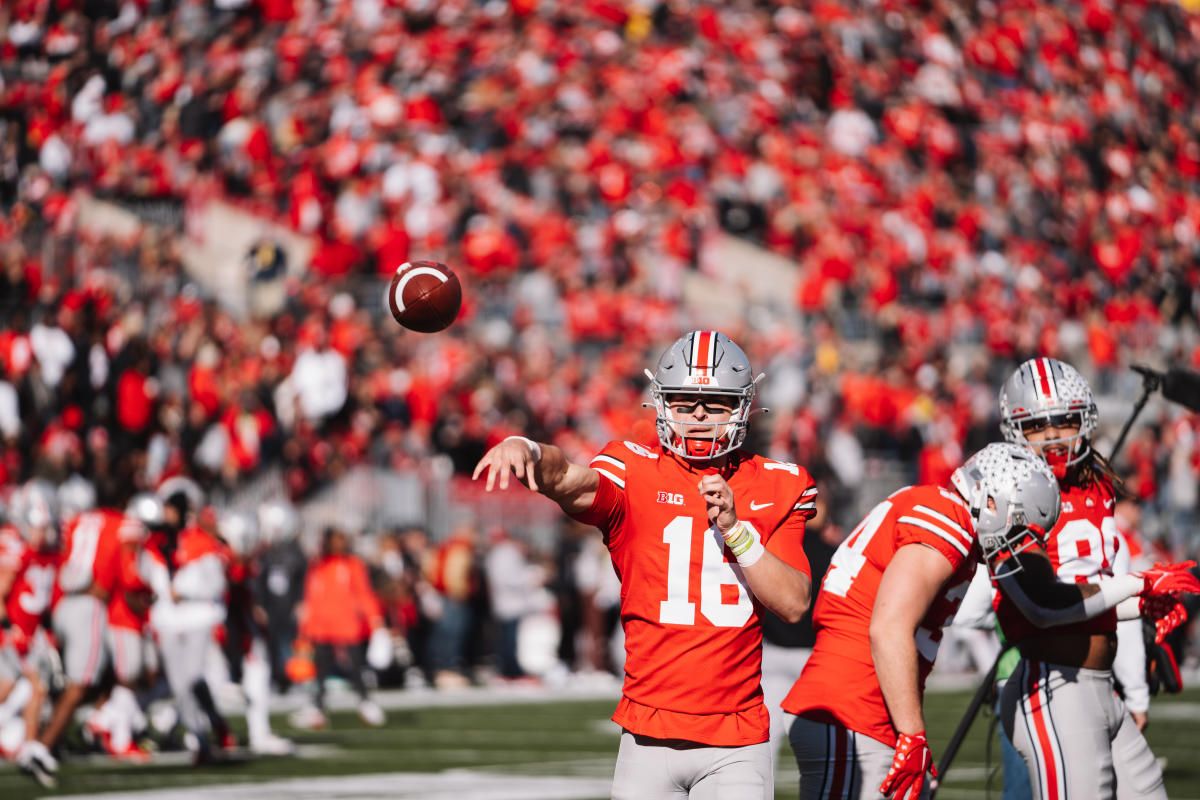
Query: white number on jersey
x=76, y=574
x=41, y=585
x=849, y=558
x=783, y=465
x=715, y=572
x=1084, y=549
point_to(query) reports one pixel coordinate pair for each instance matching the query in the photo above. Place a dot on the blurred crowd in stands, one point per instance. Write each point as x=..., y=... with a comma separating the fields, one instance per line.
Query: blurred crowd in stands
x=960, y=186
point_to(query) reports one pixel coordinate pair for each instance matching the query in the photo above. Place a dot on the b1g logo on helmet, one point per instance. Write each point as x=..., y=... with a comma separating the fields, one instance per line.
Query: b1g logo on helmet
x=670, y=498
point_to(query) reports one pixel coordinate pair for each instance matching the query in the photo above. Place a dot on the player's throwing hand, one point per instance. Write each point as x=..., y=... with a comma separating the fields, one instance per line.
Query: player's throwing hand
x=516, y=455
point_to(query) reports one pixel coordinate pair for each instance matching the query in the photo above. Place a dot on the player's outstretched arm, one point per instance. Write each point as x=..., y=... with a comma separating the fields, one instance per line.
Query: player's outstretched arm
x=541, y=467
x=776, y=584
x=1028, y=579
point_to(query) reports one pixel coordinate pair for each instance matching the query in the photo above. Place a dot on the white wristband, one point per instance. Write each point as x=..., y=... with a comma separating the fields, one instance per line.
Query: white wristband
x=756, y=551
x=534, y=448
x=1113, y=591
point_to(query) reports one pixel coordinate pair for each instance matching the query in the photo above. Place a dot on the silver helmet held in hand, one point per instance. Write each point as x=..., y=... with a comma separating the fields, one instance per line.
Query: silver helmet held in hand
x=1010, y=491
x=702, y=364
x=1046, y=392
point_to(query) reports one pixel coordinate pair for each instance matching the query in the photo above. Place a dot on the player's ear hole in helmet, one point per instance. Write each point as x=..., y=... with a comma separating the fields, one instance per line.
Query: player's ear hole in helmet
x=702, y=374
x=1011, y=494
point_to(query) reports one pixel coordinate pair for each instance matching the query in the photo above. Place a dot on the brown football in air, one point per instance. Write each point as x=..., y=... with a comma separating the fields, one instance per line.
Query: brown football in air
x=425, y=296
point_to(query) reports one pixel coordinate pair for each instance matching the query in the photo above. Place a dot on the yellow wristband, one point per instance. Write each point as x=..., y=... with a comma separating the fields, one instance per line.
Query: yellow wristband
x=739, y=539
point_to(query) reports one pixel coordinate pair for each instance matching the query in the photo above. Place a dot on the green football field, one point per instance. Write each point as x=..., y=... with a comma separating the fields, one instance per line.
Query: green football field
x=468, y=752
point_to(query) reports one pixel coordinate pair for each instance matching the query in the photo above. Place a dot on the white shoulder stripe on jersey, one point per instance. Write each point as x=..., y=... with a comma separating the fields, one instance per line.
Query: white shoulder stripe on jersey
x=618, y=481
x=808, y=491
x=942, y=518
x=804, y=506
x=953, y=497
x=934, y=529
x=610, y=460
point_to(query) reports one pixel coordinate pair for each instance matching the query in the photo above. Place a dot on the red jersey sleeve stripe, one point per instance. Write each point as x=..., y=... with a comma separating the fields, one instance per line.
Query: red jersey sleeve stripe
x=954, y=498
x=937, y=531
x=620, y=482
x=944, y=520
x=611, y=462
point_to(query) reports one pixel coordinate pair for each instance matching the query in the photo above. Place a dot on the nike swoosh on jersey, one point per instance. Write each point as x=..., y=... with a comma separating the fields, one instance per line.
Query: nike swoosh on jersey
x=757, y=506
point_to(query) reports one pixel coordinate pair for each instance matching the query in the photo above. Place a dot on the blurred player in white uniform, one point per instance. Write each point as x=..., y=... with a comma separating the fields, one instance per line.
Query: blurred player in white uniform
x=187, y=573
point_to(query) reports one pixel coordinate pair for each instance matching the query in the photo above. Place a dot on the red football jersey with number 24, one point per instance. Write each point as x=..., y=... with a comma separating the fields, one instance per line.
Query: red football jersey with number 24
x=693, y=638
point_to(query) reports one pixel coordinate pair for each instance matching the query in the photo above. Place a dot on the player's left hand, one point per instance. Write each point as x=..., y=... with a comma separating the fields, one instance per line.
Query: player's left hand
x=718, y=498
x=1166, y=612
x=912, y=760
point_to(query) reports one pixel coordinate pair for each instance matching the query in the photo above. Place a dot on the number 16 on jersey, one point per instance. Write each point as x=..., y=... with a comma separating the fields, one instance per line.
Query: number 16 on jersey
x=715, y=573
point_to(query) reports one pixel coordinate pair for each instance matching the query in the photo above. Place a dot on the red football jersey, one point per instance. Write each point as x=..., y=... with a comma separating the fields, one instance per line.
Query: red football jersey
x=120, y=613
x=839, y=684
x=1081, y=548
x=693, y=637
x=32, y=586
x=91, y=551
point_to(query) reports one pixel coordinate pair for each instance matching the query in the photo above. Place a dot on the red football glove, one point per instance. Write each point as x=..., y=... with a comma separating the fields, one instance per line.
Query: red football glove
x=1170, y=579
x=1165, y=612
x=907, y=775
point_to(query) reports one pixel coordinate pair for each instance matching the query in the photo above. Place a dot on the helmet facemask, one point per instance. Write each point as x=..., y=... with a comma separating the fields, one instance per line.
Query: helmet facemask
x=715, y=439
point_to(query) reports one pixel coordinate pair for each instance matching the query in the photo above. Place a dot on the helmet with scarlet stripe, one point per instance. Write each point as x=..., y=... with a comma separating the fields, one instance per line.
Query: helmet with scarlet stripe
x=703, y=365
x=1046, y=392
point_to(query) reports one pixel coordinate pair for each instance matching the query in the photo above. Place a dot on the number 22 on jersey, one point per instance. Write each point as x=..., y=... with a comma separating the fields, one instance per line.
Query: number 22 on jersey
x=715, y=572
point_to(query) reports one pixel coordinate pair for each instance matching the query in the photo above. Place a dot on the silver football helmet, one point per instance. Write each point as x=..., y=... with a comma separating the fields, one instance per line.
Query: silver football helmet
x=278, y=521
x=702, y=364
x=1046, y=392
x=1010, y=491
x=75, y=496
x=34, y=512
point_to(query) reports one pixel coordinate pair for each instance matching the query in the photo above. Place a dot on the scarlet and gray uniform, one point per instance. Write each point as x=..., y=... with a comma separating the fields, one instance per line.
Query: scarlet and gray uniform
x=1069, y=725
x=91, y=573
